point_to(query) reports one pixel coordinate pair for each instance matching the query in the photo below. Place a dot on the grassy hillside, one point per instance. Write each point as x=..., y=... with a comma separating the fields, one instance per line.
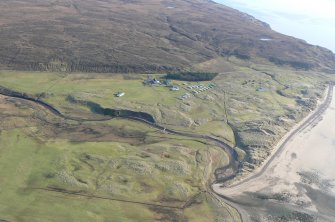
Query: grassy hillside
x=140, y=36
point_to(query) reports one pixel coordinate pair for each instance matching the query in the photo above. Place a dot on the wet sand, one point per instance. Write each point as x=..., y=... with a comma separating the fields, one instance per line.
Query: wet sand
x=300, y=179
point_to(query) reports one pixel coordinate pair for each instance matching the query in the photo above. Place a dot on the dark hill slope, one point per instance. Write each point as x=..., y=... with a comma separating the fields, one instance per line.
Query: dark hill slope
x=139, y=35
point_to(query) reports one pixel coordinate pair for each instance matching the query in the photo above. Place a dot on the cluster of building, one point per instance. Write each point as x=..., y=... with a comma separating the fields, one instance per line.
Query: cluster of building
x=152, y=82
x=194, y=89
x=155, y=82
x=200, y=88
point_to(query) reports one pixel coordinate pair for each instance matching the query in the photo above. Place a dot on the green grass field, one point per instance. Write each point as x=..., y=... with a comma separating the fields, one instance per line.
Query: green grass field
x=129, y=161
x=161, y=170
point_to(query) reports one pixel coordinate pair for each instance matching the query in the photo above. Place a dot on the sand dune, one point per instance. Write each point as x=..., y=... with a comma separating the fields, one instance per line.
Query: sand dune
x=301, y=178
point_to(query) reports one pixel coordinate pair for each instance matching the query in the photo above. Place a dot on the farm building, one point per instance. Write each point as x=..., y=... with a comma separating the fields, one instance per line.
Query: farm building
x=119, y=94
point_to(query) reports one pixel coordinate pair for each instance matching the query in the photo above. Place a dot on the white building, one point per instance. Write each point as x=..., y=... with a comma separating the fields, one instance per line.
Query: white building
x=120, y=94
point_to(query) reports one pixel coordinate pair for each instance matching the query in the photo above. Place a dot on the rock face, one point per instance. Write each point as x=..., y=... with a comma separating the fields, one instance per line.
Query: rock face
x=140, y=36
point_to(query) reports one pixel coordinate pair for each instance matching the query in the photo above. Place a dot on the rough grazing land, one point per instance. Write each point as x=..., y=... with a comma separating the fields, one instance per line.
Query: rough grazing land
x=140, y=36
x=54, y=169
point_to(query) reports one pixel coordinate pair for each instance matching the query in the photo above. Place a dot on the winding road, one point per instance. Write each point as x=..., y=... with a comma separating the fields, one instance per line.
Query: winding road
x=229, y=171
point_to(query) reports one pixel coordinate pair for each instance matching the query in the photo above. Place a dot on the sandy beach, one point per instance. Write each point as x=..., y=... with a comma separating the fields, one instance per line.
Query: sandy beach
x=301, y=176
